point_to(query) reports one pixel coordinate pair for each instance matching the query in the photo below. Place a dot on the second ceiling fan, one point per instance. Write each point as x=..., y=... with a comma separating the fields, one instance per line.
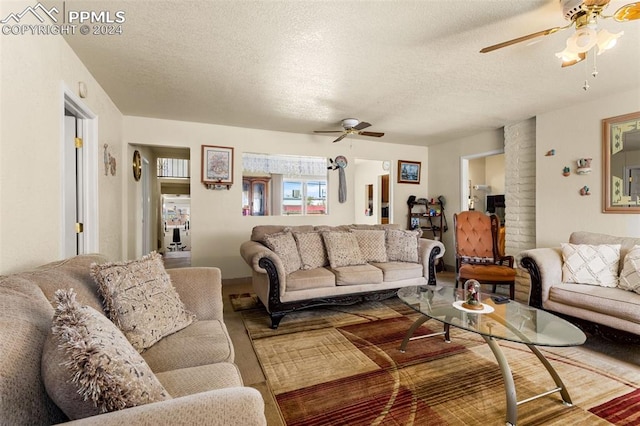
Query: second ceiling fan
x=583, y=14
x=352, y=126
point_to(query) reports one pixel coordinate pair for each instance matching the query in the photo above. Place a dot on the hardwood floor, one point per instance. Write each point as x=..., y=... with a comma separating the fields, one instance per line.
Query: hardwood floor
x=177, y=259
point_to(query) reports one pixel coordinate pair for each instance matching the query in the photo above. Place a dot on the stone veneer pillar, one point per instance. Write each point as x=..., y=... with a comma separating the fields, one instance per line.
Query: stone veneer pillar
x=520, y=195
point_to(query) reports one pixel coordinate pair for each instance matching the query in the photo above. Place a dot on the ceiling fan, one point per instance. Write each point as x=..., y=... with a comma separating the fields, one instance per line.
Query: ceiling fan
x=584, y=15
x=352, y=126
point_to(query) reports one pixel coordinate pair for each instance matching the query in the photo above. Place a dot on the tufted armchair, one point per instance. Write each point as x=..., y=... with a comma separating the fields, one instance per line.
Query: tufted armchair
x=477, y=254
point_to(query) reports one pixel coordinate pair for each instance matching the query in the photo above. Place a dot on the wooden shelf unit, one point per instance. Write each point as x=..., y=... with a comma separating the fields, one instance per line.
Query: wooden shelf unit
x=427, y=216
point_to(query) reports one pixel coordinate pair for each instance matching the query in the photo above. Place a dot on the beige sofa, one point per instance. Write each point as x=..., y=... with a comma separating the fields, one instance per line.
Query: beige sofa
x=195, y=364
x=612, y=307
x=282, y=292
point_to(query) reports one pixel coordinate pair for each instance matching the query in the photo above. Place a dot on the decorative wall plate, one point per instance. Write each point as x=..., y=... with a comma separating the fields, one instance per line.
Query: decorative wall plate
x=341, y=161
x=137, y=165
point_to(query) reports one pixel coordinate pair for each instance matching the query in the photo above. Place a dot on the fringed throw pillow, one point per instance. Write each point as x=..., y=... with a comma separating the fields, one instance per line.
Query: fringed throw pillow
x=88, y=365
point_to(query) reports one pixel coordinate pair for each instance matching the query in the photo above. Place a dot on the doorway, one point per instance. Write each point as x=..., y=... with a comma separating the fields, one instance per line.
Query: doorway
x=482, y=175
x=79, y=227
x=373, y=192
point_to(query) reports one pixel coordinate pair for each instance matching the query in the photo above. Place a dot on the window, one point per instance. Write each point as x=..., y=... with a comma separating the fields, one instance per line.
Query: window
x=294, y=185
x=173, y=168
x=307, y=197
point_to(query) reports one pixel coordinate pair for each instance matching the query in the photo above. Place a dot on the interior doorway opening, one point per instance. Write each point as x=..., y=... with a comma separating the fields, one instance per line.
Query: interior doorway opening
x=79, y=183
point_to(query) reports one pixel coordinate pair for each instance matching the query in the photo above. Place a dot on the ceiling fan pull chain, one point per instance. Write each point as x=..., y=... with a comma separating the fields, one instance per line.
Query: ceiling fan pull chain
x=595, y=67
x=586, y=86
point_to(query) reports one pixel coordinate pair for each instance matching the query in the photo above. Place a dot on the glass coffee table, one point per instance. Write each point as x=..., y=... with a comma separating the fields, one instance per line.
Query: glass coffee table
x=510, y=321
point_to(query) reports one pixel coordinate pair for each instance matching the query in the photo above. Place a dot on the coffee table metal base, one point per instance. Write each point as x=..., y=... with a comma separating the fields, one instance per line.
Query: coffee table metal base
x=409, y=336
x=507, y=376
x=510, y=387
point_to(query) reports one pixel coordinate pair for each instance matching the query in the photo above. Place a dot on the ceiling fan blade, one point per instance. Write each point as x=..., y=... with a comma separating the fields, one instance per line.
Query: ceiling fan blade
x=361, y=125
x=340, y=138
x=628, y=12
x=374, y=134
x=328, y=131
x=523, y=38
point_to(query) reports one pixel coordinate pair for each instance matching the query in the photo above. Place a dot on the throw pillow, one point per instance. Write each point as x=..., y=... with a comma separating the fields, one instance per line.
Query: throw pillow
x=630, y=275
x=311, y=248
x=342, y=249
x=402, y=246
x=88, y=365
x=284, y=245
x=372, y=244
x=140, y=299
x=590, y=264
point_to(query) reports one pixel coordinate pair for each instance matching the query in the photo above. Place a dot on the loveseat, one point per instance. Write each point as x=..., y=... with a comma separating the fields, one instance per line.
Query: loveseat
x=595, y=279
x=306, y=266
x=195, y=364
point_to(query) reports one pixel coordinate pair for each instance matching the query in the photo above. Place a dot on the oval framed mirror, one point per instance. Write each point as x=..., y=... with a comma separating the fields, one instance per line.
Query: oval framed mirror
x=621, y=163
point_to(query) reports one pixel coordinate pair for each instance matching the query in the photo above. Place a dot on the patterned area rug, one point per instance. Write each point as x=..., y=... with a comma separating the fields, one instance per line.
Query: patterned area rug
x=342, y=366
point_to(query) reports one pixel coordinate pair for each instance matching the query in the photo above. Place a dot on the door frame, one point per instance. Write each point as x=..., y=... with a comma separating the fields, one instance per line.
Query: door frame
x=88, y=125
x=464, y=175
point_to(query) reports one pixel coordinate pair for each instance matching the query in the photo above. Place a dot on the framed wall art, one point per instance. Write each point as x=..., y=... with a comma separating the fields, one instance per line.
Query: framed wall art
x=217, y=165
x=408, y=171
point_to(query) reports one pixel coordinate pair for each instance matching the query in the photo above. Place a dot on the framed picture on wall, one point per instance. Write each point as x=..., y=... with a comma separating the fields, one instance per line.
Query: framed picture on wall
x=217, y=165
x=408, y=171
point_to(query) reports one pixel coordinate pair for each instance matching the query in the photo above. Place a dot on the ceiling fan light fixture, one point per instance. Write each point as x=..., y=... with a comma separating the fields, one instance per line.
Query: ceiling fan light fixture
x=582, y=40
x=349, y=123
x=607, y=40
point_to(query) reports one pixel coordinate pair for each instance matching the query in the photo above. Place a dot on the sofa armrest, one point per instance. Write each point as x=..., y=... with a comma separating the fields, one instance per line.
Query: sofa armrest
x=252, y=252
x=230, y=406
x=545, y=267
x=430, y=250
x=200, y=290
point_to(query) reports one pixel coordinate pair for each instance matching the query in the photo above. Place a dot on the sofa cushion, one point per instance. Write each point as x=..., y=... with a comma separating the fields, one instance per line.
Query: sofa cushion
x=608, y=301
x=402, y=246
x=358, y=274
x=312, y=278
x=88, y=365
x=140, y=299
x=342, y=249
x=203, y=342
x=396, y=271
x=284, y=245
x=590, y=264
x=630, y=275
x=372, y=244
x=192, y=380
x=311, y=248
x=259, y=232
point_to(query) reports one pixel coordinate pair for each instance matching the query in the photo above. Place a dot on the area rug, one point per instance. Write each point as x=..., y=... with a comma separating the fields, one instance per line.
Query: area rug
x=343, y=366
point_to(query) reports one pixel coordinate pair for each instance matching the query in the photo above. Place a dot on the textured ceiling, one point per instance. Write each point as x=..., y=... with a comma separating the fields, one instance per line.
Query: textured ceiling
x=411, y=68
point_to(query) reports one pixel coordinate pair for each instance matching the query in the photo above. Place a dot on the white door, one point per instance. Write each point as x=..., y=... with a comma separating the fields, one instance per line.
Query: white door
x=73, y=190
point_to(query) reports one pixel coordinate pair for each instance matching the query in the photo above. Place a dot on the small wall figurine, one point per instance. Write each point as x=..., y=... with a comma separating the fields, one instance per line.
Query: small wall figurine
x=566, y=171
x=585, y=190
x=551, y=153
x=584, y=166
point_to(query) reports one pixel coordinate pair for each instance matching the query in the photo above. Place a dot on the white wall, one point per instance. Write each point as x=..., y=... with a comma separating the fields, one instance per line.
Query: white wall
x=444, y=174
x=576, y=132
x=218, y=227
x=33, y=71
